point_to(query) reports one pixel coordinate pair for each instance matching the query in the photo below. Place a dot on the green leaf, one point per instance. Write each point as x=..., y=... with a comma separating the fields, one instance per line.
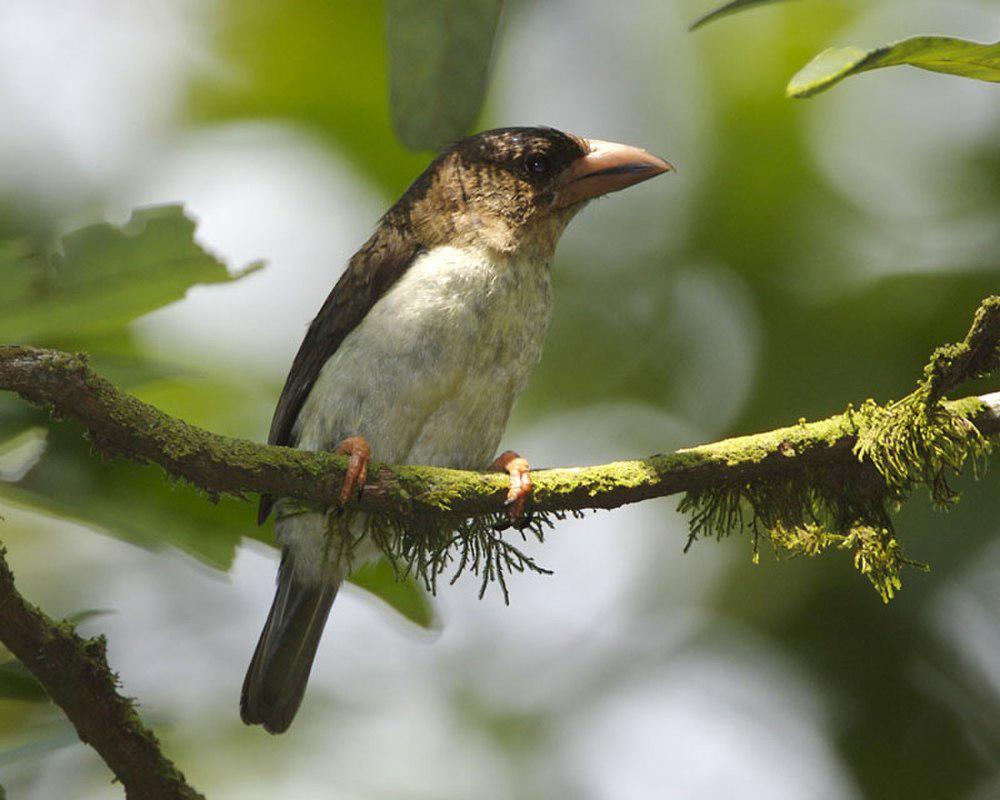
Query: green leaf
x=120, y=357
x=88, y=614
x=136, y=503
x=20, y=453
x=405, y=595
x=53, y=737
x=335, y=87
x=17, y=683
x=934, y=53
x=105, y=278
x=140, y=505
x=439, y=60
x=725, y=10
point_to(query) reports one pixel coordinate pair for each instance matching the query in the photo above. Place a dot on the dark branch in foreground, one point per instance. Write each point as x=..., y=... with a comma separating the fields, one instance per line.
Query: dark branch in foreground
x=120, y=424
x=76, y=675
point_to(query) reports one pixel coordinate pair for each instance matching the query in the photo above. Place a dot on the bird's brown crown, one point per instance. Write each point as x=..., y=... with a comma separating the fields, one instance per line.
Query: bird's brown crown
x=531, y=155
x=494, y=189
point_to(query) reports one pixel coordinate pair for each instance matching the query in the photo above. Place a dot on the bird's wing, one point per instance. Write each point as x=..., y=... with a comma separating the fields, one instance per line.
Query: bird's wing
x=372, y=270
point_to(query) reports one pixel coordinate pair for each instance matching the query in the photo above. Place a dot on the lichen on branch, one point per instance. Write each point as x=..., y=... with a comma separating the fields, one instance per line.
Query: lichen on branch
x=919, y=440
x=842, y=475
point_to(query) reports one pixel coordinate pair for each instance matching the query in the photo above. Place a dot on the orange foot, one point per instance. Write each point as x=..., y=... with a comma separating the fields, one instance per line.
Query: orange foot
x=357, y=466
x=520, y=483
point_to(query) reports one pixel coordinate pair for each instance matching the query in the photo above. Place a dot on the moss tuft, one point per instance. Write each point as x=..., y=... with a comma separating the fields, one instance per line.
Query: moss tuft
x=428, y=546
x=916, y=441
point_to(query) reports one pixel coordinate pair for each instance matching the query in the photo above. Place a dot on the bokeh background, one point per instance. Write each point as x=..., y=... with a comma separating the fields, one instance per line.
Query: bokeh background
x=806, y=255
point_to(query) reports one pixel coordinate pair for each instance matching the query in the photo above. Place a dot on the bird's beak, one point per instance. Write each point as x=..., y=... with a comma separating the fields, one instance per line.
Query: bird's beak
x=607, y=167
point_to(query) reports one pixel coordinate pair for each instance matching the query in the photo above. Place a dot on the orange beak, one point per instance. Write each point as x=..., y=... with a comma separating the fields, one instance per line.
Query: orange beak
x=607, y=167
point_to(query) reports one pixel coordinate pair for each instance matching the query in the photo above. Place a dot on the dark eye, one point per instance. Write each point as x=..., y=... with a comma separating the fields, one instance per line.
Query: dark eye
x=537, y=164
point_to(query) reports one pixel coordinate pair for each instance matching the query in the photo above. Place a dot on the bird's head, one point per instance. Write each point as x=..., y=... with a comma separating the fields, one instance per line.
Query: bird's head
x=514, y=189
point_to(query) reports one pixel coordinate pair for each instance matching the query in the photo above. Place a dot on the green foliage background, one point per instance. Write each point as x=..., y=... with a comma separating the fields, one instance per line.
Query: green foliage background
x=761, y=217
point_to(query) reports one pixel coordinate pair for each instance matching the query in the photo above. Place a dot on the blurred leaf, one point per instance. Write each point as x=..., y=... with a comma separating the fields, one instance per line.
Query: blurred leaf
x=106, y=277
x=725, y=10
x=933, y=53
x=58, y=735
x=16, y=683
x=312, y=65
x=439, y=61
x=132, y=502
x=88, y=614
x=142, y=506
x=405, y=596
x=20, y=453
x=120, y=357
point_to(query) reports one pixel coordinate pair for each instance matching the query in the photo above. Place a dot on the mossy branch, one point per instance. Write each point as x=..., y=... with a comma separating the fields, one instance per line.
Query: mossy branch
x=76, y=675
x=808, y=488
x=841, y=475
x=122, y=425
x=919, y=439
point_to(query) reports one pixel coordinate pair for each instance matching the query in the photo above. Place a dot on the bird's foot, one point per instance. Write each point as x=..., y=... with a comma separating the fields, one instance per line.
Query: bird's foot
x=357, y=466
x=520, y=484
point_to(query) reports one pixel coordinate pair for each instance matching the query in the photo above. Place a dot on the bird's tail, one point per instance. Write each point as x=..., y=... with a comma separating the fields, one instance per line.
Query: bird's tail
x=279, y=669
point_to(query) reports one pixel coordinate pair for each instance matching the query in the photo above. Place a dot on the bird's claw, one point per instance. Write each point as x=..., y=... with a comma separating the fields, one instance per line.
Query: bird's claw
x=521, y=525
x=520, y=486
x=357, y=466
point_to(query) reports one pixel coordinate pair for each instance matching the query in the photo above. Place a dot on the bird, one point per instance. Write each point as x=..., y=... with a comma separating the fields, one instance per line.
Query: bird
x=418, y=354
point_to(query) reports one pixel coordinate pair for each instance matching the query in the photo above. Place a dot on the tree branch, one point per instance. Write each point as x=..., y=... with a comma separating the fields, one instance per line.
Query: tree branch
x=120, y=424
x=846, y=466
x=76, y=675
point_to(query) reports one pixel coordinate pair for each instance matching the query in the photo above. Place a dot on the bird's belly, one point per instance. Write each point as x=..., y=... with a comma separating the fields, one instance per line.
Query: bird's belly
x=432, y=372
x=464, y=430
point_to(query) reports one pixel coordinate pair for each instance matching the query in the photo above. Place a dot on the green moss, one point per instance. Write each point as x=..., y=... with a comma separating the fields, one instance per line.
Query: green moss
x=876, y=553
x=428, y=546
x=799, y=487
x=443, y=489
x=917, y=441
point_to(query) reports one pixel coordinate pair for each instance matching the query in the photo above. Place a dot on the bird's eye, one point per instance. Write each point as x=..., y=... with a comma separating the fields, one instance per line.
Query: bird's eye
x=536, y=164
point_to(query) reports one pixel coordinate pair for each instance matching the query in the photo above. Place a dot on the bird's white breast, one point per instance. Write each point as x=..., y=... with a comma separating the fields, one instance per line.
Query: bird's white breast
x=431, y=373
